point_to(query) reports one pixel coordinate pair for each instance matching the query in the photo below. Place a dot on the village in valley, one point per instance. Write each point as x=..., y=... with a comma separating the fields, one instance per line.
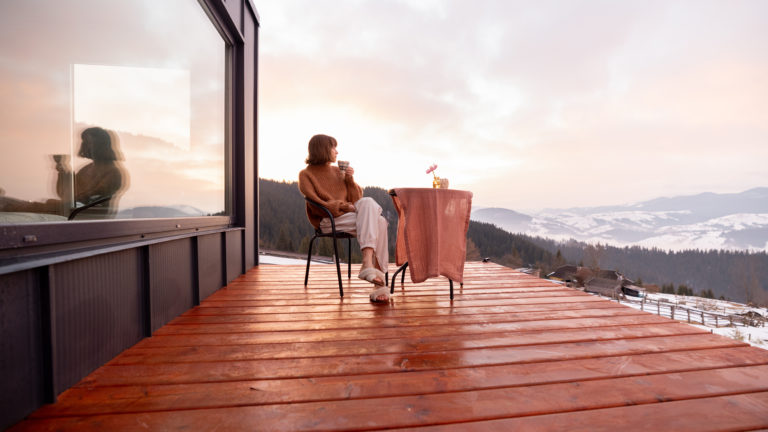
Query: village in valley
x=738, y=321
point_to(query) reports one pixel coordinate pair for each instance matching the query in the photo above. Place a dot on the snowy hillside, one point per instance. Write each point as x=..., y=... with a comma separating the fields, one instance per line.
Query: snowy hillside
x=704, y=221
x=718, y=316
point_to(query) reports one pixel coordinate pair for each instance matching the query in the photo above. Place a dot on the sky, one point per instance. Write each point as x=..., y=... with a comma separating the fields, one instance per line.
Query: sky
x=529, y=105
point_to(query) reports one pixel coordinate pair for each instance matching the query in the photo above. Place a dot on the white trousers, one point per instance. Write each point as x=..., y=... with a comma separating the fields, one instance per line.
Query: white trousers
x=370, y=227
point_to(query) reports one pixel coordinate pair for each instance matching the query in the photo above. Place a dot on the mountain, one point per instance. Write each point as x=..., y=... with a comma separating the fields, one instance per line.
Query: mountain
x=503, y=217
x=160, y=212
x=737, y=221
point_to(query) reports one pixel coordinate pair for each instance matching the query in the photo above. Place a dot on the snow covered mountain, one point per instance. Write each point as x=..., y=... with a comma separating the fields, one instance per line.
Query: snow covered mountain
x=736, y=221
x=171, y=211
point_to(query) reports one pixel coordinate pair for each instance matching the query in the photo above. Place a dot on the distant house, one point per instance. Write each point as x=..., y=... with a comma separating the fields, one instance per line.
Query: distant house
x=566, y=273
x=633, y=290
x=608, y=274
x=606, y=282
x=652, y=288
x=613, y=287
x=604, y=286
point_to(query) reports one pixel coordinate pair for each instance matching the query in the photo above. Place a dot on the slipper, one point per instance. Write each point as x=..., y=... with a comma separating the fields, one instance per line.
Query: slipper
x=383, y=290
x=370, y=274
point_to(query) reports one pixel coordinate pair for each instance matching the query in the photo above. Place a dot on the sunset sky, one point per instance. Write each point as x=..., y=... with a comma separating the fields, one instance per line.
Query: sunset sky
x=527, y=104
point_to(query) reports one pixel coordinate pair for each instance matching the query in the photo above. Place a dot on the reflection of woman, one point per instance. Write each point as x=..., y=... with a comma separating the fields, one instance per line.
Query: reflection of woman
x=336, y=190
x=100, y=178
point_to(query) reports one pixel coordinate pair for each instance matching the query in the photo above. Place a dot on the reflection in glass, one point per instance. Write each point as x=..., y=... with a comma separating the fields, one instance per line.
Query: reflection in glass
x=96, y=188
x=128, y=111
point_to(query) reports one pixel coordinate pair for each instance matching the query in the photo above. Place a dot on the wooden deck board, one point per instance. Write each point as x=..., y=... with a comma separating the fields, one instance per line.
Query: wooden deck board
x=163, y=353
x=511, y=352
x=106, y=399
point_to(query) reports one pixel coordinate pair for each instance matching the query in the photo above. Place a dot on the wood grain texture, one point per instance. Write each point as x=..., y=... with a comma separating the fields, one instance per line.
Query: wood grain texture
x=511, y=352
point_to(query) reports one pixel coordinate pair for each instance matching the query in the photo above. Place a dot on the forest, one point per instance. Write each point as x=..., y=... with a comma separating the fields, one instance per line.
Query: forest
x=737, y=276
x=283, y=226
x=733, y=275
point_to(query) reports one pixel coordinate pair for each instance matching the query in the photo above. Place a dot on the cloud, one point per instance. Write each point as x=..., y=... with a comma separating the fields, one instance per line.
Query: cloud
x=527, y=104
x=575, y=103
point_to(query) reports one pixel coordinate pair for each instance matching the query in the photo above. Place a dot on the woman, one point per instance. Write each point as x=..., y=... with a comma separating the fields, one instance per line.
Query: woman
x=337, y=191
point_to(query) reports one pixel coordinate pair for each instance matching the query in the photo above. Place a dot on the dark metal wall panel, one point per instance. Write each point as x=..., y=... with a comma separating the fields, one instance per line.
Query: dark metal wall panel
x=97, y=304
x=21, y=386
x=210, y=265
x=234, y=253
x=171, y=280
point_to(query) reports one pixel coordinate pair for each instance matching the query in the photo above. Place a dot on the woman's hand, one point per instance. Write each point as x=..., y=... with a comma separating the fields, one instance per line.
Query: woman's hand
x=350, y=171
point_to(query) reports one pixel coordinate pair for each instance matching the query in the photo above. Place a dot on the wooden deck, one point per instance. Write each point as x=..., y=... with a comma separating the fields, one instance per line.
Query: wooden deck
x=511, y=352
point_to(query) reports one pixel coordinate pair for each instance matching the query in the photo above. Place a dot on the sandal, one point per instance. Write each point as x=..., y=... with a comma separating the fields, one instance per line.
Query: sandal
x=371, y=274
x=381, y=291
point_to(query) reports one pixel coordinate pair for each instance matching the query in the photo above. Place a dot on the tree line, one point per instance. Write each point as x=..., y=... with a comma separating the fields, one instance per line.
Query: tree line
x=733, y=275
x=283, y=226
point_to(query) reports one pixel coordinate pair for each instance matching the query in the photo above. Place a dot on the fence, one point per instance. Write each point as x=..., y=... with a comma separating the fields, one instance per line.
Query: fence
x=693, y=316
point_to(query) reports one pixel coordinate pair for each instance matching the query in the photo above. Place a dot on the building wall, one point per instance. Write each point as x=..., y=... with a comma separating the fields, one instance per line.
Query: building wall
x=69, y=307
x=21, y=343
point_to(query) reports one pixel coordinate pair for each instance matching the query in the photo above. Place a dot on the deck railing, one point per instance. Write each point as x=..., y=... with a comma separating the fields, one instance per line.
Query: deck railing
x=692, y=316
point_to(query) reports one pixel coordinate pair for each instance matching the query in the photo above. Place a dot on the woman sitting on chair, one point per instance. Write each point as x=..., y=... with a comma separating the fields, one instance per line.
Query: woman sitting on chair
x=337, y=191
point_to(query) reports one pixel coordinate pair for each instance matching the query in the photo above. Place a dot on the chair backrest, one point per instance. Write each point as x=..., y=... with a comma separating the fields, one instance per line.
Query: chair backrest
x=334, y=231
x=325, y=210
x=320, y=207
x=99, y=208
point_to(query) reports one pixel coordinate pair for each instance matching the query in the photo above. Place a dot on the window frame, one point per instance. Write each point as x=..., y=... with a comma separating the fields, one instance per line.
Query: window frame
x=23, y=242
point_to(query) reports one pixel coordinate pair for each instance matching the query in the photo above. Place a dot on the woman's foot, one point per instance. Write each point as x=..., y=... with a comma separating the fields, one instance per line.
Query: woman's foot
x=372, y=275
x=380, y=294
x=369, y=270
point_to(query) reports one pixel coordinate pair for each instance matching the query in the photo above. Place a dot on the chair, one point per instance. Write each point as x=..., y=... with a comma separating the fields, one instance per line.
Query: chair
x=94, y=204
x=335, y=235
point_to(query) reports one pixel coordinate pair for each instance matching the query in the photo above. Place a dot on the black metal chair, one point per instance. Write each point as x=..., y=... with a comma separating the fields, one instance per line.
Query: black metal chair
x=97, y=201
x=335, y=235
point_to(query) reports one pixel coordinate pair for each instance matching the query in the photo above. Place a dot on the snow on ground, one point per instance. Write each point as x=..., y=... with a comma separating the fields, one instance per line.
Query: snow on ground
x=675, y=238
x=697, y=307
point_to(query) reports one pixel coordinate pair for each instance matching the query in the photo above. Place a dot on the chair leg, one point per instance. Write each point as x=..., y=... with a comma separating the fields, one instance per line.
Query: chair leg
x=349, y=258
x=309, y=259
x=338, y=267
x=451, y=282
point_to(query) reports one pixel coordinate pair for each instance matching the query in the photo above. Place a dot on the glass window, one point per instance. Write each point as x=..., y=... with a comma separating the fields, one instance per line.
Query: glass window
x=111, y=110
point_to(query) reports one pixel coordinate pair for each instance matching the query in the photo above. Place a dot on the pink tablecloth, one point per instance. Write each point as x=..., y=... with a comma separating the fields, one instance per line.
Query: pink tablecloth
x=432, y=231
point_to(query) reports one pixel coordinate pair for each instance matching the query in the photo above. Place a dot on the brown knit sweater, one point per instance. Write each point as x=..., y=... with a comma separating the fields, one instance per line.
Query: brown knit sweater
x=327, y=185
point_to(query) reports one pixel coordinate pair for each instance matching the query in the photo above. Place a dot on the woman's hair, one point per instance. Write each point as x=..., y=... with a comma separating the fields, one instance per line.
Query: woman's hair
x=98, y=146
x=320, y=147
